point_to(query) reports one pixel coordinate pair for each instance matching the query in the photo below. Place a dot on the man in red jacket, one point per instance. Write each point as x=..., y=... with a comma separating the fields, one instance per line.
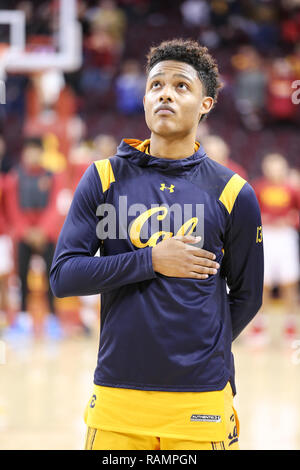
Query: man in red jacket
x=280, y=203
x=30, y=201
x=6, y=257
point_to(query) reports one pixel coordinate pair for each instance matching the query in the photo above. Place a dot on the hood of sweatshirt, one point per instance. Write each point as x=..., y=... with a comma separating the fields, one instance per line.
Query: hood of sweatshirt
x=136, y=152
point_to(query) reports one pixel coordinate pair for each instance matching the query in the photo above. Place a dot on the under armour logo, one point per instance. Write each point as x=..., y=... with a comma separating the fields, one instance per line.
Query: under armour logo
x=170, y=188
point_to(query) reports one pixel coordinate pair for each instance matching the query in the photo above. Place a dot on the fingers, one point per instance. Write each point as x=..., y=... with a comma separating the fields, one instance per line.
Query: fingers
x=204, y=266
x=200, y=272
x=187, y=238
x=195, y=275
x=202, y=260
x=203, y=270
x=199, y=263
x=205, y=263
x=202, y=253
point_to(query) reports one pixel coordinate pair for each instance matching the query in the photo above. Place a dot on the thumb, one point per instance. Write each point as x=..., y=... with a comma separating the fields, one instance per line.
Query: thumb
x=188, y=238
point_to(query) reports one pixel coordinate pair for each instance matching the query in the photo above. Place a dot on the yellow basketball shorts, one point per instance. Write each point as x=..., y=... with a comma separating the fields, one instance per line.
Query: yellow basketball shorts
x=100, y=439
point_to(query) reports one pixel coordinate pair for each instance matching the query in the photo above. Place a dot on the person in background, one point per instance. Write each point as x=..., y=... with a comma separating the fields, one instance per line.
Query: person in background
x=294, y=181
x=249, y=87
x=279, y=105
x=6, y=261
x=81, y=156
x=280, y=203
x=30, y=203
x=129, y=87
x=6, y=247
x=5, y=161
x=51, y=111
x=195, y=13
x=108, y=17
x=103, y=47
x=105, y=146
x=217, y=149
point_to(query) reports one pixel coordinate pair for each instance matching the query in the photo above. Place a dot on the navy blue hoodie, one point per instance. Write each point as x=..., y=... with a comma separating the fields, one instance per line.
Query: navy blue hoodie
x=158, y=332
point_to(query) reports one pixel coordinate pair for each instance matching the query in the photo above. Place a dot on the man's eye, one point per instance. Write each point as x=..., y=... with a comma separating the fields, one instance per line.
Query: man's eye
x=155, y=84
x=183, y=86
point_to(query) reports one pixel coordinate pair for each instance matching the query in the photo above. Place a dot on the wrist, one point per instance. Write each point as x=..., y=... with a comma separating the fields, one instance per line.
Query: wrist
x=154, y=258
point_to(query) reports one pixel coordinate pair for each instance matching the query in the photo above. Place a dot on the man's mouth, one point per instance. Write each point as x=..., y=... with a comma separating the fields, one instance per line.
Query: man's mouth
x=164, y=110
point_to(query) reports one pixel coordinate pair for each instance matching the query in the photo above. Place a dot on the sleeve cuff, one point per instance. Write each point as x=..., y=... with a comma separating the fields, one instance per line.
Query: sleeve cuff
x=148, y=254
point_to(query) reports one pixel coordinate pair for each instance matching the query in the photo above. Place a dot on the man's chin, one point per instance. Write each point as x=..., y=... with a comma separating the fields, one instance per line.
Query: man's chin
x=166, y=131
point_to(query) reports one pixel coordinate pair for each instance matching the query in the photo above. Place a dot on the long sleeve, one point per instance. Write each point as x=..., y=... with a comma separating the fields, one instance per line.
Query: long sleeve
x=243, y=262
x=75, y=269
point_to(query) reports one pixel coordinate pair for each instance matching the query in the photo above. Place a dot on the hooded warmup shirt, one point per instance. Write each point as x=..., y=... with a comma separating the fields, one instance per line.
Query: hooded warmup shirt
x=161, y=333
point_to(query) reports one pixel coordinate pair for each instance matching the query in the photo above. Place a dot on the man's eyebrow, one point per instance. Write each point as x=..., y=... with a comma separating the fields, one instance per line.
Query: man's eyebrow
x=181, y=75
x=156, y=75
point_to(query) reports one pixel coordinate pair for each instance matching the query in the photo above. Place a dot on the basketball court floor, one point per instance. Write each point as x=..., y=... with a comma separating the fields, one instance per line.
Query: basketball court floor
x=46, y=385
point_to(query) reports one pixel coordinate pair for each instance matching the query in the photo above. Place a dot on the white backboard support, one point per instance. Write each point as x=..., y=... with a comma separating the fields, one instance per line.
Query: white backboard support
x=69, y=56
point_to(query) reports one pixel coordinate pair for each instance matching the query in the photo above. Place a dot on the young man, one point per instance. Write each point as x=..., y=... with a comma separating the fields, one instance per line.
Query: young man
x=30, y=198
x=165, y=372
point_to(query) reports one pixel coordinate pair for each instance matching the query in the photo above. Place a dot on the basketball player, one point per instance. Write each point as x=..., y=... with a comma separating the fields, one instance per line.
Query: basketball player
x=165, y=372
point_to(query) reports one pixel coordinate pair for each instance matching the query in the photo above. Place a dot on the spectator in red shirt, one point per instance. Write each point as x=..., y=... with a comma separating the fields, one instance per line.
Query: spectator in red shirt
x=279, y=103
x=81, y=156
x=30, y=201
x=217, y=149
x=280, y=203
x=6, y=260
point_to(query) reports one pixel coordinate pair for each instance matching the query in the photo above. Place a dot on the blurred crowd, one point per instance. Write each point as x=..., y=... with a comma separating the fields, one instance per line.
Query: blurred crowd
x=55, y=124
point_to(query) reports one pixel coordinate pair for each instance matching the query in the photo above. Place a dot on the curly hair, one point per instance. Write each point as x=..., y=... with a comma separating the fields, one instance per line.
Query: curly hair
x=190, y=52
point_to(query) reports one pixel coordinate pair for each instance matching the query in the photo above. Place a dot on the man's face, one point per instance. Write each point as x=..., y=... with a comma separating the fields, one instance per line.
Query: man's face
x=216, y=149
x=32, y=156
x=275, y=168
x=174, y=99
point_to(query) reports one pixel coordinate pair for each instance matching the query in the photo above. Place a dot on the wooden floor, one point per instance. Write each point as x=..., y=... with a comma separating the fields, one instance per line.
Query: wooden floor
x=45, y=387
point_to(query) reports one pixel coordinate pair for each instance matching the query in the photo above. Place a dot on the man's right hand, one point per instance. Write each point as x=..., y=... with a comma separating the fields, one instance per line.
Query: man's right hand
x=176, y=257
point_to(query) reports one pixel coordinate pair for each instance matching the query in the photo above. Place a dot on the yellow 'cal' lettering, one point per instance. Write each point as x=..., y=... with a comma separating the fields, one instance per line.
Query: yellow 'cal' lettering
x=184, y=229
x=136, y=227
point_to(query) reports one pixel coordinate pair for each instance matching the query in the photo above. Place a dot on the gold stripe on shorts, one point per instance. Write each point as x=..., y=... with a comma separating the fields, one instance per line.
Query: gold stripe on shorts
x=90, y=437
x=218, y=445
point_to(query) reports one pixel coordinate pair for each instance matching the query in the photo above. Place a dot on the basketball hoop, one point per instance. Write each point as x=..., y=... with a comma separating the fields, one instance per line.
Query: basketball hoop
x=15, y=58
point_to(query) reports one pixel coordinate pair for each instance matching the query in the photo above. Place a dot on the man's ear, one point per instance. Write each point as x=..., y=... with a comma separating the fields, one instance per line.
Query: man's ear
x=206, y=105
x=144, y=101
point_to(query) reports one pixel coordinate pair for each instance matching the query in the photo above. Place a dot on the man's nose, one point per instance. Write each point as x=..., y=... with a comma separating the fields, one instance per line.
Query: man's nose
x=166, y=95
